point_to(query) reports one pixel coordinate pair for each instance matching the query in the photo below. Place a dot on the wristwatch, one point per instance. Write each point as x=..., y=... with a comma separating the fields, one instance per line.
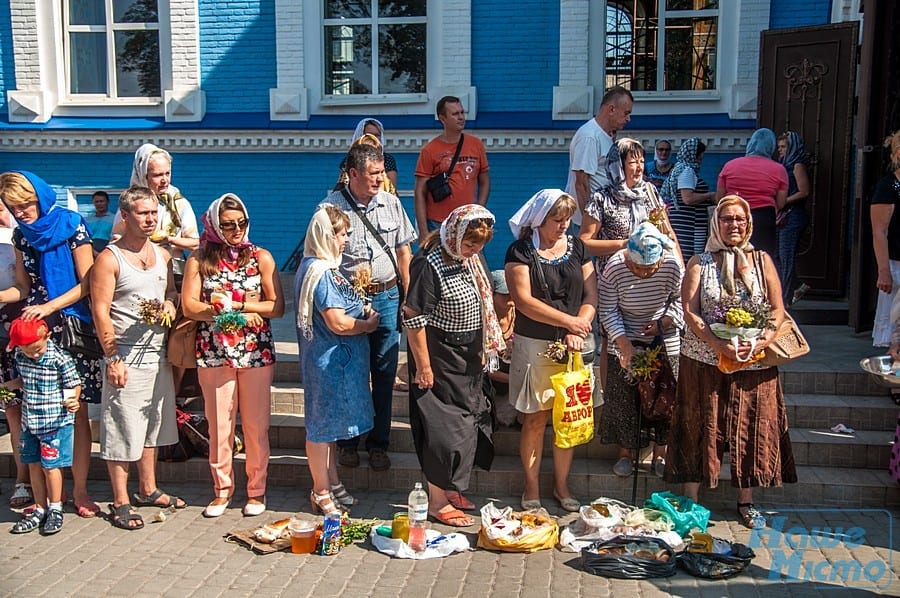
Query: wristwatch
x=111, y=359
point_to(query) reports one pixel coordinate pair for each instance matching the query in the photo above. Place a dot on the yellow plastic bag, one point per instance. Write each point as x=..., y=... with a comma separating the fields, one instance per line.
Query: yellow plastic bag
x=573, y=404
x=511, y=531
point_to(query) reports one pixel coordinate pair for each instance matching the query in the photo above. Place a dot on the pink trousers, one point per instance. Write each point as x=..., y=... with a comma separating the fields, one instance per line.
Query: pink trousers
x=225, y=392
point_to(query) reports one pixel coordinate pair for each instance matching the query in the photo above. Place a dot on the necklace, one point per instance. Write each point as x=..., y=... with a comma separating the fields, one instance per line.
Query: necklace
x=552, y=253
x=139, y=254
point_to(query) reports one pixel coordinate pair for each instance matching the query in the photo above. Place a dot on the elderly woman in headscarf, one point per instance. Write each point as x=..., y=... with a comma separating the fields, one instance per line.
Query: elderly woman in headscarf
x=176, y=228
x=792, y=220
x=53, y=256
x=551, y=279
x=332, y=329
x=231, y=286
x=640, y=297
x=688, y=196
x=660, y=168
x=454, y=338
x=742, y=412
x=613, y=213
x=371, y=131
x=762, y=183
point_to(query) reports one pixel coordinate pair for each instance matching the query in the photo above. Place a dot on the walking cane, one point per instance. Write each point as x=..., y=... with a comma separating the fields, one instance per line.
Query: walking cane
x=637, y=453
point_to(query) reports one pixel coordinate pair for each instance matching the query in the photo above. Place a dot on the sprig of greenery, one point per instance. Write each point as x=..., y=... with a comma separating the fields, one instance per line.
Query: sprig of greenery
x=644, y=363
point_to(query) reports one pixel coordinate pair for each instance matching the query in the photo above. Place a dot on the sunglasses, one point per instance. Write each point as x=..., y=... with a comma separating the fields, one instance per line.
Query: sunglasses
x=231, y=226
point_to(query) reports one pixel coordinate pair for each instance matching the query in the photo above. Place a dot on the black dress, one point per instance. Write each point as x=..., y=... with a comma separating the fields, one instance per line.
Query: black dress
x=451, y=421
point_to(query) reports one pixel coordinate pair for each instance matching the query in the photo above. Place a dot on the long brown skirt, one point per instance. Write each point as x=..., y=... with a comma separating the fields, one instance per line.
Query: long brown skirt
x=742, y=414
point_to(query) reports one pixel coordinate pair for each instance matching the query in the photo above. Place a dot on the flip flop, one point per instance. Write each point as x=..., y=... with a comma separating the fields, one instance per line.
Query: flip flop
x=150, y=500
x=460, y=502
x=448, y=517
x=87, y=509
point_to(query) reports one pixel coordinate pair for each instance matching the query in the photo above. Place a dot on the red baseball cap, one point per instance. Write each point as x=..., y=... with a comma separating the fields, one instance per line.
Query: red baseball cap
x=25, y=332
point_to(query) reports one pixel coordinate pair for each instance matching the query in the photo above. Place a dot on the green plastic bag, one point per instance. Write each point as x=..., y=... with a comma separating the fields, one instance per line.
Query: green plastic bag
x=684, y=512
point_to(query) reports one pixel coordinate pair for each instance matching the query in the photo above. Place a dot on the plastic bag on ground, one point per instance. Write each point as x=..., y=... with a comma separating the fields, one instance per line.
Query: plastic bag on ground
x=516, y=531
x=437, y=545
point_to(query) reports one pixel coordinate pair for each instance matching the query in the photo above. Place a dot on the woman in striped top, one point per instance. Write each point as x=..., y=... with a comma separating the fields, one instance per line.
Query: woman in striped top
x=640, y=286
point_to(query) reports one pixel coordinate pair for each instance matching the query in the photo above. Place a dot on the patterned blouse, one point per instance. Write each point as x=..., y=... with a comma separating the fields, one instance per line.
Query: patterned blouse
x=443, y=293
x=710, y=293
x=248, y=347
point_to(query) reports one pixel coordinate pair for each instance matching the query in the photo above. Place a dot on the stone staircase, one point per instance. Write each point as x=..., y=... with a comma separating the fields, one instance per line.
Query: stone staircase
x=822, y=389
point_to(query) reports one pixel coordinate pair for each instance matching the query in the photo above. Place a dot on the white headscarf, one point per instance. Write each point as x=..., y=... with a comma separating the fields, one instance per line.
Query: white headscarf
x=361, y=127
x=321, y=244
x=139, y=177
x=534, y=212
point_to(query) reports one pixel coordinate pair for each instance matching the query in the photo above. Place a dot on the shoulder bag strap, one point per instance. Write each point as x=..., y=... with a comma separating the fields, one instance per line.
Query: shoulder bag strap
x=543, y=282
x=456, y=155
x=759, y=262
x=384, y=246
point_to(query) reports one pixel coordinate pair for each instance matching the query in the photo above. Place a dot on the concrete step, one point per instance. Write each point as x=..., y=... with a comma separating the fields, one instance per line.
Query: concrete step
x=859, y=412
x=589, y=478
x=821, y=447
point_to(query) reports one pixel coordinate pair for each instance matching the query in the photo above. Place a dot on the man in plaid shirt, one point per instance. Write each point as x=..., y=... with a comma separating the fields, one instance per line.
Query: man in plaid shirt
x=45, y=444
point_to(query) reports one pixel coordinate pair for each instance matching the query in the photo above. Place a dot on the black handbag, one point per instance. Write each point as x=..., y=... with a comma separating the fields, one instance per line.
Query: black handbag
x=79, y=336
x=439, y=186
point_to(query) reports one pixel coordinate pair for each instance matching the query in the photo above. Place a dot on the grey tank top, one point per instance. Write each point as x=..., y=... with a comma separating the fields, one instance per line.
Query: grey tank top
x=138, y=342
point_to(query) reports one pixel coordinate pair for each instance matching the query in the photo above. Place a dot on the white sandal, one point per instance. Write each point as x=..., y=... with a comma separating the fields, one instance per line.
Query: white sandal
x=22, y=496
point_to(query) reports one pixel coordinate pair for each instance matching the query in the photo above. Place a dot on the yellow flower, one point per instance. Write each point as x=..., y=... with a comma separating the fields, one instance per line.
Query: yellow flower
x=737, y=318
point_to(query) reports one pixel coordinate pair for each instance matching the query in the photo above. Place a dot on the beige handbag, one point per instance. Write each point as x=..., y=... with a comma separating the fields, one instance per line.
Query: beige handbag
x=789, y=342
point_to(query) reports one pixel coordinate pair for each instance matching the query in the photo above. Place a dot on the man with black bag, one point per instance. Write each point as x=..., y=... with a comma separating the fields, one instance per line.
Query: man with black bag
x=450, y=169
x=376, y=260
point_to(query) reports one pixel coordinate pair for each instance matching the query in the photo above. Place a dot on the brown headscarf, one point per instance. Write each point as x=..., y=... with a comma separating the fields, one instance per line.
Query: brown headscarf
x=734, y=257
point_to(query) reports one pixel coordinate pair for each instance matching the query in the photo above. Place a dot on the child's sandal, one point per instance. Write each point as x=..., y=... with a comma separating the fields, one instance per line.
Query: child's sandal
x=29, y=523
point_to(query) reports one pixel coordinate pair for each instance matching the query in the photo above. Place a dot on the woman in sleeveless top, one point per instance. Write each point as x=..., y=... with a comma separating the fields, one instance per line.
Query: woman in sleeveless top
x=743, y=412
x=232, y=287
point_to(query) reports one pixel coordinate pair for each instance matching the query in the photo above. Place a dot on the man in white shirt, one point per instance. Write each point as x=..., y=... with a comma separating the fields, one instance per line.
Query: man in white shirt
x=591, y=143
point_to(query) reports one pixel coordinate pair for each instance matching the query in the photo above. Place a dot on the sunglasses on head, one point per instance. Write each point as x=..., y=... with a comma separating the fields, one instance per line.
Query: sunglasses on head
x=231, y=226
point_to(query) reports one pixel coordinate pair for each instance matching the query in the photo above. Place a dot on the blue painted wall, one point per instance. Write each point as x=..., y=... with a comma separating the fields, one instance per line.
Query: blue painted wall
x=7, y=66
x=515, y=54
x=783, y=15
x=237, y=54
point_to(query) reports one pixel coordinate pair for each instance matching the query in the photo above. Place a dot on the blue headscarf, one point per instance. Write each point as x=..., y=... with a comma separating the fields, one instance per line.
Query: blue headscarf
x=50, y=235
x=762, y=143
x=795, y=151
x=687, y=158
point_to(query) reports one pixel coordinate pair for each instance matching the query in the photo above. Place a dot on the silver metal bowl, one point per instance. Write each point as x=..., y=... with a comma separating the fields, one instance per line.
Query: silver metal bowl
x=880, y=367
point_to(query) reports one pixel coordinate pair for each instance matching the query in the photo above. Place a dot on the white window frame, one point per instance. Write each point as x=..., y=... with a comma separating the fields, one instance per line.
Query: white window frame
x=109, y=28
x=300, y=58
x=373, y=22
x=42, y=76
x=583, y=53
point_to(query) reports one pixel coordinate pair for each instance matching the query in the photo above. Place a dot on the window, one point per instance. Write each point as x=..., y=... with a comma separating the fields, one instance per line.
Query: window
x=112, y=48
x=662, y=45
x=374, y=47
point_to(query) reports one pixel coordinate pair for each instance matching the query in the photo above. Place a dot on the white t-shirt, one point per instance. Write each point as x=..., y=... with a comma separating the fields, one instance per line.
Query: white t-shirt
x=687, y=179
x=587, y=153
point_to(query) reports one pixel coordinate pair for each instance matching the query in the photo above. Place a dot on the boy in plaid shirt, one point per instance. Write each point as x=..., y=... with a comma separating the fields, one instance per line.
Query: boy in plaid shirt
x=45, y=444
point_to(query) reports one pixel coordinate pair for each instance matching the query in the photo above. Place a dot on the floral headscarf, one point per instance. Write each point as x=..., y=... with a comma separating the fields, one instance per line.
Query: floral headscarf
x=453, y=230
x=734, y=257
x=211, y=232
x=795, y=151
x=687, y=158
x=139, y=177
x=321, y=244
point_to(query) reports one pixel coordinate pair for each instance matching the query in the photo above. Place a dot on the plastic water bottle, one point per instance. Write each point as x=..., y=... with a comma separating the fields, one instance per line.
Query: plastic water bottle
x=418, y=518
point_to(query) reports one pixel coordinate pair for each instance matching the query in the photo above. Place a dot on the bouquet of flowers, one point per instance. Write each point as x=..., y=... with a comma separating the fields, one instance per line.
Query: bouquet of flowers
x=151, y=312
x=6, y=395
x=360, y=282
x=741, y=320
x=556, y=351
x=644, y=364
x=229, y=322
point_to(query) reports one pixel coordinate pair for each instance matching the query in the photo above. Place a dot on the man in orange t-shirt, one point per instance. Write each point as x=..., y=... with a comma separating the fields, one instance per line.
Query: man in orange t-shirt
x=469, y=181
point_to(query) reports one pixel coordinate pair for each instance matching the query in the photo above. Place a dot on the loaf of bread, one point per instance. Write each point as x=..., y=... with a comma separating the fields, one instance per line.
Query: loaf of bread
x=272, y=531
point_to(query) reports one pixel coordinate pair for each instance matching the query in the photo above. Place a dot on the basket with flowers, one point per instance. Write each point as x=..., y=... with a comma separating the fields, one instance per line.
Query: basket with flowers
x=741, y=321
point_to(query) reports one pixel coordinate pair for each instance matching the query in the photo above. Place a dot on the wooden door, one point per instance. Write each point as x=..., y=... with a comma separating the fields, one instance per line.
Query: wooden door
x=806, y=84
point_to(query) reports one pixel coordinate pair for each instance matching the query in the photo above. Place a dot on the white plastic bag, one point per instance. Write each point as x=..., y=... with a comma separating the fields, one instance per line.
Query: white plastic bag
x=437, y=545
